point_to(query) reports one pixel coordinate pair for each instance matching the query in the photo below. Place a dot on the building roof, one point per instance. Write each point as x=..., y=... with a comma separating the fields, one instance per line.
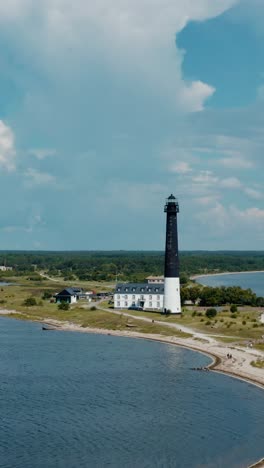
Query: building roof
x=69, y=292
x=139, y=288
x=155, y=278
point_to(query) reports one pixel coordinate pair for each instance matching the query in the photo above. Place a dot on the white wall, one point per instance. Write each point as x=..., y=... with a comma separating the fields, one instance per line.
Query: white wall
x=151, y=301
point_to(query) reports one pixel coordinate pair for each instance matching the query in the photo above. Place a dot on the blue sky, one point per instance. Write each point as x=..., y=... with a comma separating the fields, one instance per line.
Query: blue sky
x=108, y=107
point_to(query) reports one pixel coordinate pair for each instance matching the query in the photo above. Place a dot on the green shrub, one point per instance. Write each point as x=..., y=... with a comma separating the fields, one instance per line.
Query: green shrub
x=194, y=313
x=30, y=301
x=94, y=308
x=211, y=312
x=64, y=306
x=233, y=308
x=208, y=322
x=244, y=322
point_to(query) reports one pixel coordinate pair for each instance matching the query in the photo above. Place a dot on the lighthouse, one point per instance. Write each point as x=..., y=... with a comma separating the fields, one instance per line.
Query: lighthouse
x=172, y=298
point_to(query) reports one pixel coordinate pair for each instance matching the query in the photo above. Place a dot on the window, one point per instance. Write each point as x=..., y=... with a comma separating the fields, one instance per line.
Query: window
x=142, y=297
x=133, y=297
x=150, y=304
x=126, y=304
x=118, y=296
x=134, y=289
x=126, y=289
x=158, y=304
x=126, y=296
x=156, y=289
x=158, y=298
x=150, y=297
x=118, y=303
x=119, y=289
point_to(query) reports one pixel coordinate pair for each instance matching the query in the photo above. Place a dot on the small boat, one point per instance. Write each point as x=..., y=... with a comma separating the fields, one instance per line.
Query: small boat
x=48, y=328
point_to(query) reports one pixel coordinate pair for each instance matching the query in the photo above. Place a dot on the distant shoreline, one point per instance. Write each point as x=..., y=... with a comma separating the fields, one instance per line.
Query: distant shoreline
x=204, y=275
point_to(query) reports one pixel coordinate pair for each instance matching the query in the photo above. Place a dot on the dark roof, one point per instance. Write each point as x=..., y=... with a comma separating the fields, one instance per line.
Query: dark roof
x=139, y=288
x=67, y=292
x=171, y=197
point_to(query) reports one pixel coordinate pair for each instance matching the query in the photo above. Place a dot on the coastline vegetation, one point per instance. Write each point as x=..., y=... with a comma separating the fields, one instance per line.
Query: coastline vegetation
x=124, y=265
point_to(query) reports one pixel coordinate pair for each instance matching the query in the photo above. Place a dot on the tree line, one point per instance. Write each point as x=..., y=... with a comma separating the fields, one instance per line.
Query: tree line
x=219, y=296
x=126, y=266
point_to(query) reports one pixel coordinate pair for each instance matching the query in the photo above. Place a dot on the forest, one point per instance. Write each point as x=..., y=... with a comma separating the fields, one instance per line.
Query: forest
x=125, y=265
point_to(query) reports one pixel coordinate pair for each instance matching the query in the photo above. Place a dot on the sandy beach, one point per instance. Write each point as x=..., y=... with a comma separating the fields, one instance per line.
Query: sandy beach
x=238, y=366
x=225, y=273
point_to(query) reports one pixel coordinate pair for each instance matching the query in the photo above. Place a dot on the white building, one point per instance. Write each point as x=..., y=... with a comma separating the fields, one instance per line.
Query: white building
x=155, y=279
x=5, y=268
x=144, y=295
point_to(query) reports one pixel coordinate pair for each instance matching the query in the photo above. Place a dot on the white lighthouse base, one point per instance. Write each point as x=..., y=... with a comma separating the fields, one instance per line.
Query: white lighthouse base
x=172, y=297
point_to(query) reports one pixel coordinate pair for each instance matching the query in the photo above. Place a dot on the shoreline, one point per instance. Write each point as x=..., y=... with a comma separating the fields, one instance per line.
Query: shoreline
x=204, y=275
x=238, y=367
x=217, y=364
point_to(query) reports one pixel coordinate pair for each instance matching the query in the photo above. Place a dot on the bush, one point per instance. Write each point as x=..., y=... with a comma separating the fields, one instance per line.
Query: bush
x=94, y=308
x=208, y=322
x=64, y=306
x=194, y=313
x=233, y=308
x=46, y=295
x=29, y=302
x=210, y=313
x=244, y=322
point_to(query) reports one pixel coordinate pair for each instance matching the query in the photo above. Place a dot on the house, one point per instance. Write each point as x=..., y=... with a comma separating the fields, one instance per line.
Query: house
x=155, y=279
x=145, y=296
x=69, y=295
x=5, y=268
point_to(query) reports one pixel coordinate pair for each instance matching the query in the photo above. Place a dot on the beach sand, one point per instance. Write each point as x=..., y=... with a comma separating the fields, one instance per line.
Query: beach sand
x=238, y=366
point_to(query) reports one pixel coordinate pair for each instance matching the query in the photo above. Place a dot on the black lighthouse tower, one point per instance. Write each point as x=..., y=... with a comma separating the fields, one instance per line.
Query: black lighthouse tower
x=172, y=300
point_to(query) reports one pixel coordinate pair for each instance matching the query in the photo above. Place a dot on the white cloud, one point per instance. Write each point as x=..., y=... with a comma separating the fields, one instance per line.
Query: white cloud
x=253, y=193
x=132, y=38
x=7, y=147
x=42, y=153
x=37, y=178
x=181, y=167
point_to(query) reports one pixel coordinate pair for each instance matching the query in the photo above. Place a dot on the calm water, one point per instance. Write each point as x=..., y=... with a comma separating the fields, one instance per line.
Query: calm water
x=72, y=400
x=255, y=281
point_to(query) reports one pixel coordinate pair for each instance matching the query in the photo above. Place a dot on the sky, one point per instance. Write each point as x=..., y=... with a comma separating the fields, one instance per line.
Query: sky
x=108, y=107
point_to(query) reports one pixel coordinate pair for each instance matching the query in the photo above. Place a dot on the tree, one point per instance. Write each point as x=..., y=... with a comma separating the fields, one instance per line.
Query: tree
x=211, y=312
x=30, y=301
x=64, y=306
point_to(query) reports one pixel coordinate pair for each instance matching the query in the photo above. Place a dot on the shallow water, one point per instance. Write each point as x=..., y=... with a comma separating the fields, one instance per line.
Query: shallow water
x=255, y=281
x=72, y=400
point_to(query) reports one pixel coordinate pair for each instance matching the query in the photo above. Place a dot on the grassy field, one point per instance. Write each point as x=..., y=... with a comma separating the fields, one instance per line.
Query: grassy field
x=243, y=325
x=13, y=297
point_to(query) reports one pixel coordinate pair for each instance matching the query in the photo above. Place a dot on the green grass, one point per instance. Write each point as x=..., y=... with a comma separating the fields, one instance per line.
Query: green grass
x=259, y=363
x=12, y=298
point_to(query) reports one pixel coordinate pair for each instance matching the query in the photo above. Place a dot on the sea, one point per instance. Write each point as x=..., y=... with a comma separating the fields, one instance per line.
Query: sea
x=255, y=281
x=82, y=400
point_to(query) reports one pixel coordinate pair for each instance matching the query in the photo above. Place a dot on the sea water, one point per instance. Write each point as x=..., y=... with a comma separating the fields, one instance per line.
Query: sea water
x=72, y=400
x=255, y=281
